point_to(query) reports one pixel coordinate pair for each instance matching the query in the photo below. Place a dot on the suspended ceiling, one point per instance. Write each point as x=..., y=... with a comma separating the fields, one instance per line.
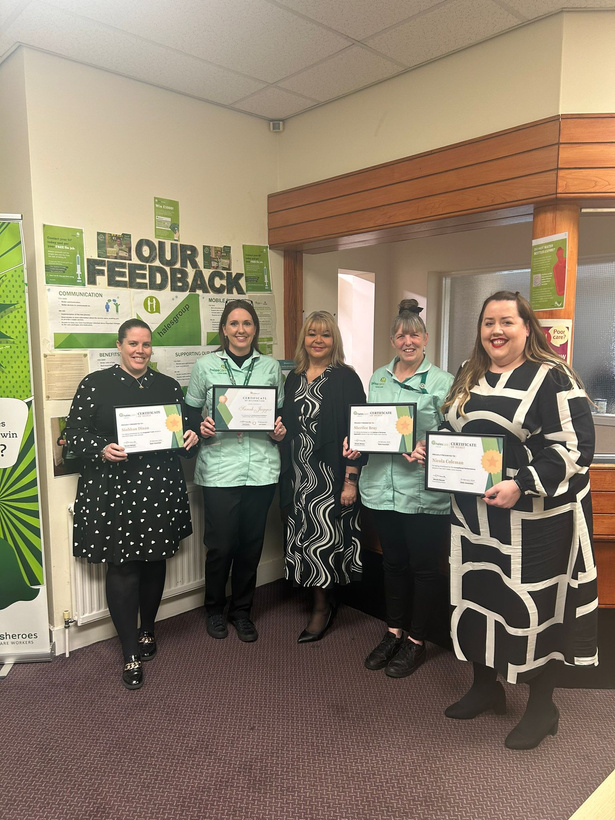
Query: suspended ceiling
x=270, y=58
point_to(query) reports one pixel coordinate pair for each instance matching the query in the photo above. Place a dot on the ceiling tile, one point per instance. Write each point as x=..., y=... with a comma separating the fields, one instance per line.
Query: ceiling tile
x=448, y=28
x=359, y=18
x=89, y=42
x=274, y=104
x=537, y=8
x=351, y=69
x=7, y=7
x=255, y=37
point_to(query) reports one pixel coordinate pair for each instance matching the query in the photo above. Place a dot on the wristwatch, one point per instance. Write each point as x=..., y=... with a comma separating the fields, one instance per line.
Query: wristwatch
x=352, y=478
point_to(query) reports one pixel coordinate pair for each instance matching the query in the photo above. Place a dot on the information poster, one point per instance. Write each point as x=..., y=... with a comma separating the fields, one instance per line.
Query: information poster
x=178, y=362
x=86, y=318
x=216, y=256
x=114, y=245
x=64, y=256
x=548, y=272
x=24, y=631
x=166, y=219
x=558, y=333
x=256, y=268
x=175, y=319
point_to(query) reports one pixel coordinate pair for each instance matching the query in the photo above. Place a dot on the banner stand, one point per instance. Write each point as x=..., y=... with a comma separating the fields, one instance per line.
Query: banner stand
x=24, y=621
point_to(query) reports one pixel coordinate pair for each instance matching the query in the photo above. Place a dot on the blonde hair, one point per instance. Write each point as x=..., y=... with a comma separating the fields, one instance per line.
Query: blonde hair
x=537, y=349
x=408, y=319
x=320, y=320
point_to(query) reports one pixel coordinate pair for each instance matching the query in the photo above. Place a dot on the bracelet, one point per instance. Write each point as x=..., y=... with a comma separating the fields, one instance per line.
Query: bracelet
x=103, y=454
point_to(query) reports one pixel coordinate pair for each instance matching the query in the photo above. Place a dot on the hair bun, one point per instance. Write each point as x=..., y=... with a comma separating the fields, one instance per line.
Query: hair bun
x=409, y=306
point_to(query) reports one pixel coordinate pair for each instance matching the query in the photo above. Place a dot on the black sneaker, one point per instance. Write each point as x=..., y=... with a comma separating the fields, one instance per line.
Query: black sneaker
x=246, y=631
x=407, y=660
x=216, y=625
x=386, y=649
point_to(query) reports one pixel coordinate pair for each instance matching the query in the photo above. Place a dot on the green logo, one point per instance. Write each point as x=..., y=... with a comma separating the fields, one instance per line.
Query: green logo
x=151, y=305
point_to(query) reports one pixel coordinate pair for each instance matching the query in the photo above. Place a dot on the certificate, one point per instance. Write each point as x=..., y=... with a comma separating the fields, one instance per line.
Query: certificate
x=463, y=462
x=149, y=427
x=382, y=428
x=242, y=408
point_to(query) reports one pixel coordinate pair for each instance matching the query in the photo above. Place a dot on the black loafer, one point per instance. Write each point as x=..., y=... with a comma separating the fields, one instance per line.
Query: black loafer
x=388, y=647
x=246, y=631
x=148, y=646
x=132, y=673
x=216, y=625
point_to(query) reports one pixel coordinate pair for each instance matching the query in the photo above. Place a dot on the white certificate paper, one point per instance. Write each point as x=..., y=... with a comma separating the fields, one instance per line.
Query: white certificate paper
x=463, y=462
x=150, y=427
x=382, y=428
x=244, y=408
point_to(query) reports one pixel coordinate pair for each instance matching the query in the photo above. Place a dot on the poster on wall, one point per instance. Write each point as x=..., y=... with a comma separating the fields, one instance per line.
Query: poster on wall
x=114, y=245
x=256, y=268
x=86, y=318
x=175, y=319
x=558, y=333
x=166, y=219
x=178, y=362
x=548, y=272
x=24, y=630
x=64, y=256
x=216, y=256
x=264, y=305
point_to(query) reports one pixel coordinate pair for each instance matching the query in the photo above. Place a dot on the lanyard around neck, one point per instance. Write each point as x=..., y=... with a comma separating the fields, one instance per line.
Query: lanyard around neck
x=420, y=389
x=248, y=375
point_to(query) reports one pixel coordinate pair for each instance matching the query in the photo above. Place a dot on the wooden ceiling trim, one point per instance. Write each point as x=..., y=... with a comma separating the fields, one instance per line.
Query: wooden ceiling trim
x=494, y=146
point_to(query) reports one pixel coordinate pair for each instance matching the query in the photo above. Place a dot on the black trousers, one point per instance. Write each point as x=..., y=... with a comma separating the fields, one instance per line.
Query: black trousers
x=411, y=549
x=235, y=519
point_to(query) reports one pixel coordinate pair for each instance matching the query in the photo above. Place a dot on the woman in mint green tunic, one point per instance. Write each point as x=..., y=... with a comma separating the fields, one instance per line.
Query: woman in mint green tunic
x=412, y=523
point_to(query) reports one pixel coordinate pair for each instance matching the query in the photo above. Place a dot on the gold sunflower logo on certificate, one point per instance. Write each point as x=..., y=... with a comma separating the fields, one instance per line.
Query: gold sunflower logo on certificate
x=173, y=422
x=222, y=400
x=492, y=462
x=404, y=425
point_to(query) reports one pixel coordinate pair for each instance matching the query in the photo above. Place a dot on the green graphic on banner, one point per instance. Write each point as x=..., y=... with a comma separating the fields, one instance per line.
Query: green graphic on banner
x=21, y=562
x=181, y=327
x=72, y=341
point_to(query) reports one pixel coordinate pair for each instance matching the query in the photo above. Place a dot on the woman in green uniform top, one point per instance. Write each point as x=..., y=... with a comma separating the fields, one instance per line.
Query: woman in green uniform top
x=411, y=522
x=237, y=471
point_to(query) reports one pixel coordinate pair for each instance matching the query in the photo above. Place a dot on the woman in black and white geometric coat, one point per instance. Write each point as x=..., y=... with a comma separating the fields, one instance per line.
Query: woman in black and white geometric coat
x=523, y=577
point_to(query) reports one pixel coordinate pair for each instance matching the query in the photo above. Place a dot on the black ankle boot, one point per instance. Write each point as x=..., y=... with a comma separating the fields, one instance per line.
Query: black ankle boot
x=478, y=700
x=532, y=730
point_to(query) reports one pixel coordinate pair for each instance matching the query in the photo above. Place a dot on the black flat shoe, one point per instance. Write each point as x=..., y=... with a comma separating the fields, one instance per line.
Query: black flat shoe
x=529, y=733
x=148, y=646
x=310, y=637
x=477, y=701
x=132, y=673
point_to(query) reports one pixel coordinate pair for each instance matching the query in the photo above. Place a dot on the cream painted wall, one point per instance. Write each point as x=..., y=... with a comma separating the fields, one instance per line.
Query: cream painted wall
x=588, y=64
x=101, y=147
x=511, y=79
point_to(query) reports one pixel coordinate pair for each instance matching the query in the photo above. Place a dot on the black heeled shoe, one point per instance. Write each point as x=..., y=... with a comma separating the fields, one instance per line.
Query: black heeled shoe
x=310, y=637
x=132, y=673
x=530, y=734
x=148, y=645
x=474, y=703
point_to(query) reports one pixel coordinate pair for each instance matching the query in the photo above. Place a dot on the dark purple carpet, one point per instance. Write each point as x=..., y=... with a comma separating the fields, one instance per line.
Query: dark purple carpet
x=277, y=731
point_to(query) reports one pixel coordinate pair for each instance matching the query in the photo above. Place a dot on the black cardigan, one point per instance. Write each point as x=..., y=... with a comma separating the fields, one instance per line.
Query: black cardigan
x=342, y=388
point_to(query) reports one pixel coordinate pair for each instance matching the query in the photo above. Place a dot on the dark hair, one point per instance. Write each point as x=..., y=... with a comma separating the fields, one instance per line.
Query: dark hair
x=537, y=349
x=128, y=325
x=238, y=304
x=408, y=318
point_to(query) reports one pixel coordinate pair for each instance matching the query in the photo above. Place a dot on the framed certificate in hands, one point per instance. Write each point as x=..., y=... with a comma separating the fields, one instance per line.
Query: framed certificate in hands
x=244, y=408
x=463, y=462
x=382, y=428
x=149, y=427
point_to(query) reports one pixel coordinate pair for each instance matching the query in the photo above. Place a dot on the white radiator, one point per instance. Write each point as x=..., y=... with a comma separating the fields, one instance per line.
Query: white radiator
x=185, y=571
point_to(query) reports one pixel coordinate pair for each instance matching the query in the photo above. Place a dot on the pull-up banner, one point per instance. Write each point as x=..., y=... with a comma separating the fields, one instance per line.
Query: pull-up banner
x=24, y=630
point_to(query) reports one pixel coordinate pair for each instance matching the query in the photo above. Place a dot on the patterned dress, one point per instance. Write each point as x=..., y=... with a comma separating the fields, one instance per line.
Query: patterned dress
x=322, y=549
x=133, y=510
x=523, y=581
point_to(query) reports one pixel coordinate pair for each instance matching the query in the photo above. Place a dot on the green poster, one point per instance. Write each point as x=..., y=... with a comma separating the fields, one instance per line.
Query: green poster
x=166, y=219
x=21, y=559
x=548, y=275
x=64, y=256
x=256, y=268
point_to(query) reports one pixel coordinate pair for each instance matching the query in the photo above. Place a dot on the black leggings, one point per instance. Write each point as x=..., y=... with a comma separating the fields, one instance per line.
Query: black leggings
x=411, y=548
x=134, y=588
